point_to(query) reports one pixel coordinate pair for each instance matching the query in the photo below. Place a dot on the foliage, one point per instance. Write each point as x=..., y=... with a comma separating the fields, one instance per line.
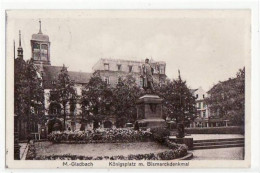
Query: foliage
x=227, y=99
x=28, y=92
x=105, y=136
x=160, y=134
x=175, y=151
x=63, y=92
x=96, y=100
x=36, y=93
x=178, y=101
x=125, y=95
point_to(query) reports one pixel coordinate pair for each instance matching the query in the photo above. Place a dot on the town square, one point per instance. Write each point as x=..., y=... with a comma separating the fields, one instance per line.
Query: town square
x=78, y=97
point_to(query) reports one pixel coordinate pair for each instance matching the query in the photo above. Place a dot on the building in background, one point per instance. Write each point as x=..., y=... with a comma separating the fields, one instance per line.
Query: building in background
x=112, y=70
x=202, y=109
x=205, y=118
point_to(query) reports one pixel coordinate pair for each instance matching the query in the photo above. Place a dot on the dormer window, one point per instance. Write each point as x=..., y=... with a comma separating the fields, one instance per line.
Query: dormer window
x=106, y=66
x=119, y=67
x=161, y=69
x=130, y=68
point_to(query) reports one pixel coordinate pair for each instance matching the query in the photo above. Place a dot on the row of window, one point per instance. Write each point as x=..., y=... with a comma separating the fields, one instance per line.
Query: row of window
x=201, y=105
x=40, y=51
x=197, y=96
x=130, y=68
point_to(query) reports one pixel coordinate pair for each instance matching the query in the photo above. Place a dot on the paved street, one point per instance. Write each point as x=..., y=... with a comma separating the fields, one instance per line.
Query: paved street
x=23, y=150
x=235, y=153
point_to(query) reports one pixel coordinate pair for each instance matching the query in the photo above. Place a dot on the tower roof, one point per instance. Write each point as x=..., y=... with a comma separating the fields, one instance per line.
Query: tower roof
x=40, y=36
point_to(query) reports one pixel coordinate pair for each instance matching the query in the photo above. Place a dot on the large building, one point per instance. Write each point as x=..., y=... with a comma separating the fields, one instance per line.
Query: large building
x=112, y=70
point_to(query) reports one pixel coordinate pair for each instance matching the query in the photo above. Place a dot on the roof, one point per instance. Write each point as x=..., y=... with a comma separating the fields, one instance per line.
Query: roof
x=40, y=37
x=80, y=77
x=51, y=73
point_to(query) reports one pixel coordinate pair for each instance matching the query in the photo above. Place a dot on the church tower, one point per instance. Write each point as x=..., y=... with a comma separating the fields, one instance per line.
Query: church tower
x=40, y=48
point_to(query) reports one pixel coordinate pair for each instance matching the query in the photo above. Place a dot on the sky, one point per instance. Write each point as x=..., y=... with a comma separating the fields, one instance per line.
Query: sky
x=206, y=46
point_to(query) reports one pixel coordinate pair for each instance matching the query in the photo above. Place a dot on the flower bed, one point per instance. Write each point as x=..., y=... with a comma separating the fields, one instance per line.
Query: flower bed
x=105, y=136
x=177, y=152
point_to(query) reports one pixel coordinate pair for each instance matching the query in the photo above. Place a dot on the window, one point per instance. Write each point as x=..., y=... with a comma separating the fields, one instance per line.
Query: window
x=130, y=68
x=44, y=52
x=197, y=96
x=53, y=82
x=36, y=51
x=161, y=69
x=106, y=66
x=203, y=96
x=106, y=79
x=119, y=67
x=204, y=114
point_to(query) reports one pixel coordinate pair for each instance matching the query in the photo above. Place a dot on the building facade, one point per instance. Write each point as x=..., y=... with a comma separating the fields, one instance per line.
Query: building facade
x=202, y=109
x=112, y=70
x=205, y=117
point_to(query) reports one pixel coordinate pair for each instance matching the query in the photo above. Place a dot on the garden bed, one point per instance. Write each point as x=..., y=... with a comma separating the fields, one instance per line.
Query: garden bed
x=114, y=144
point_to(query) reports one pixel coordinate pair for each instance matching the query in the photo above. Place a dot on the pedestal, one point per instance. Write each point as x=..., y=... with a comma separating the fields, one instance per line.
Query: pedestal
x=149, y=112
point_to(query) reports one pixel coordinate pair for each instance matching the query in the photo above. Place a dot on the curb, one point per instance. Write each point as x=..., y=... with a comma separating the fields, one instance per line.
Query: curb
x=189, y=156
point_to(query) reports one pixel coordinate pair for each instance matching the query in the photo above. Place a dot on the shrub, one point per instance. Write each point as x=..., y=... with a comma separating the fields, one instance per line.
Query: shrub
x=108, y=135
x=160, y=134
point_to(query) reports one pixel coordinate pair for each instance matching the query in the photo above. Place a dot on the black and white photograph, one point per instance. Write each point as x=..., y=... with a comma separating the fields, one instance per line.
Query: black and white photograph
x=128, y=88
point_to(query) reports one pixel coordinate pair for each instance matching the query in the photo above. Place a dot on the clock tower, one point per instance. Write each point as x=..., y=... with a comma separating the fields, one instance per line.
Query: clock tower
x=40, y=45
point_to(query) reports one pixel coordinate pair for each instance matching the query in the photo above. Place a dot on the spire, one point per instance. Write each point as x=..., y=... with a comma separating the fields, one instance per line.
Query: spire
x=179, y=73
x=20, y=49
x=40, y=30
x=14, y=49
x=20, y=38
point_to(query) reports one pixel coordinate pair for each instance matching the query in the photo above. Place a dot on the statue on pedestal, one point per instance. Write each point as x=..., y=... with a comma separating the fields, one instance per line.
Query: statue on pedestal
x=147, y=75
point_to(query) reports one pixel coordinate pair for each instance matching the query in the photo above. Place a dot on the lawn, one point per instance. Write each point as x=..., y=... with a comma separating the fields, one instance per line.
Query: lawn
x=99, y=149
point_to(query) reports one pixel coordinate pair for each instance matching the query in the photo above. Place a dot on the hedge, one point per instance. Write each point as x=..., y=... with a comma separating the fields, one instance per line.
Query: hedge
x=216, y=130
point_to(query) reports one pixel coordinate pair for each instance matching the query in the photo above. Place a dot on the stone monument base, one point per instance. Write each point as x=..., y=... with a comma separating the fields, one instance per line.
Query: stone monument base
x=149, y=112
x=151, y=123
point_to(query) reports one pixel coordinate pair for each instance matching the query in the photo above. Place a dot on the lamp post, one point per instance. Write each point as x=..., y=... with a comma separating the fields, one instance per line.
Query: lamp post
x=16, y=139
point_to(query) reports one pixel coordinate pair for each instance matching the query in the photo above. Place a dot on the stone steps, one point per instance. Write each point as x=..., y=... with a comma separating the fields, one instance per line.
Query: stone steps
x=218, y=143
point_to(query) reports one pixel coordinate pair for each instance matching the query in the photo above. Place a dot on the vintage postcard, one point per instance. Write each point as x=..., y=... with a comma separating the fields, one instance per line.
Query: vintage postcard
x=128, y=88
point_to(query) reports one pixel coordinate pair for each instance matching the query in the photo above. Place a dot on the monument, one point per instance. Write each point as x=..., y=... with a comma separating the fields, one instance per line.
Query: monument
x=149, y=106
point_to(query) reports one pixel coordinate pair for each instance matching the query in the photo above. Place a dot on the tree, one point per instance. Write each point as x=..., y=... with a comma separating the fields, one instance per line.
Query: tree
x=96, y=100
x=21, y=99
x=28, y=95
x=35, y=95
x=125, y=95
x=178, y=101
x=227, y=99
x=63, y=91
